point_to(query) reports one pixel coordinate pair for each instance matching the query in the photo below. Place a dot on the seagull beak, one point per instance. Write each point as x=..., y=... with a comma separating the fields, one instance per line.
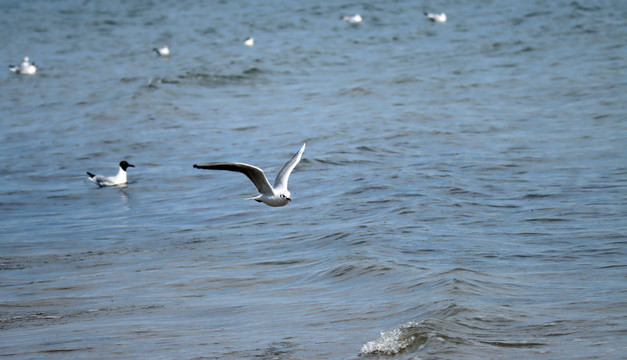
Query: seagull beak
x=131, y=165
x=289, y=199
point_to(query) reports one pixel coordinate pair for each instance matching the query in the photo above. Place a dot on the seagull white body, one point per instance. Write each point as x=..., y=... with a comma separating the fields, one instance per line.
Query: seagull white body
x=354, y=19
x=441, y=17
x=162, y=51
x=26, y=67
x=118, y=179
x=276, y=195
x=250, y=41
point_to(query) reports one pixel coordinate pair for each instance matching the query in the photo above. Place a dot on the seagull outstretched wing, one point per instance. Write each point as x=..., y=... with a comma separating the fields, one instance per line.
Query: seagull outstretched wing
x=254, y=173
x=280, y=183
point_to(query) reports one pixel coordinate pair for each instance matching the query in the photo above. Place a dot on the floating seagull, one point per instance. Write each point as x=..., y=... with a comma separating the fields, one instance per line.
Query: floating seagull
x=162, y=51
x=441, y=17
x=26, y=67
x=273, y=196
x=118, y=179
x=250, y=41
x=352, y=19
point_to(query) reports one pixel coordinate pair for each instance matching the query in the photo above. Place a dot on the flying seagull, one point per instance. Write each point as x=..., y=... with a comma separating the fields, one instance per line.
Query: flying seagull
x=118, y=179
x=273, y=196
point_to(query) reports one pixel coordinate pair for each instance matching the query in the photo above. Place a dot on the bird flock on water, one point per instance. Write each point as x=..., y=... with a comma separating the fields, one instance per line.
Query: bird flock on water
x=272, y=195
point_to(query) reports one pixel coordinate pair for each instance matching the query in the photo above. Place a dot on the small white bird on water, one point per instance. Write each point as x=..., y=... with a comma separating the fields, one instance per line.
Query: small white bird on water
x=273, y=196
x=250, y=41
x=441, y=17
x=118, y=179
x=354, y=19
x=26, y=67
x=162, y=51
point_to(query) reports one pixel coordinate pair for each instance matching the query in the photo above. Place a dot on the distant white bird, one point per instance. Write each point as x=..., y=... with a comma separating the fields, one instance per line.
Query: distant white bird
x=273, y=196
x=26, y=67
x=354, y=19
x=250, y=41
x=162, y=51
x=118, y=179
x=441, y=17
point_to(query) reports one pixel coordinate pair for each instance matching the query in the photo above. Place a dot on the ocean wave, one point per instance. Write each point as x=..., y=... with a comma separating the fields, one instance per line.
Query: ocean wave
x=394, y=341
x=409, y=335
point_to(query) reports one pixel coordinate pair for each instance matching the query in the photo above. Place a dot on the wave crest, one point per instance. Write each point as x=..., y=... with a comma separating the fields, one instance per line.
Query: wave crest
x=397, y=340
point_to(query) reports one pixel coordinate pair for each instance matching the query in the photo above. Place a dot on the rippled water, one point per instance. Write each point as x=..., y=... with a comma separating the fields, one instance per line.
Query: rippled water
x=462, y=196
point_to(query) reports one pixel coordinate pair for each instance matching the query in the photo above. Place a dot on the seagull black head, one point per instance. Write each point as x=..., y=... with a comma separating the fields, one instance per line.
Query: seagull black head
x=124, y=165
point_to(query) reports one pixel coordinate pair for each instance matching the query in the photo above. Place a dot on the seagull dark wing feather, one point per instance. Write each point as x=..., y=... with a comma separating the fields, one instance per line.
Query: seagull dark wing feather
x=254, y=173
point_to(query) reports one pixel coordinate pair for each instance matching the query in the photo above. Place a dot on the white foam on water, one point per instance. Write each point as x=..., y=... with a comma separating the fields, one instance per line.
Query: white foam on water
x=392, y=342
